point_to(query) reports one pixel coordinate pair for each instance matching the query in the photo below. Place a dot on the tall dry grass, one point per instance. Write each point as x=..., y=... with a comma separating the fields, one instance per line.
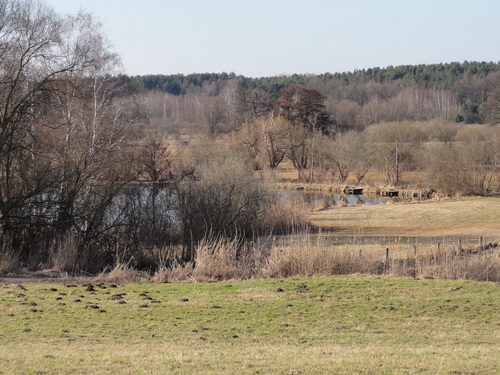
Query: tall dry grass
x=64, y=255
x=232, y=259
x=9, y=258
x=303, y=258
x=221, y=259
x=284, y=216
x=123, y=272
x=453, y=263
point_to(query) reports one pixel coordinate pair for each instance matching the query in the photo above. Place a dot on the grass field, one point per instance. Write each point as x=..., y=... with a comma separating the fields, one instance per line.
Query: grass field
x=466, y=216
x=339, y=324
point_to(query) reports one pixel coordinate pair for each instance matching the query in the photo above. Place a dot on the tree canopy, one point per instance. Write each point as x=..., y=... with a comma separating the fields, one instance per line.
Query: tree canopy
x=430, y=76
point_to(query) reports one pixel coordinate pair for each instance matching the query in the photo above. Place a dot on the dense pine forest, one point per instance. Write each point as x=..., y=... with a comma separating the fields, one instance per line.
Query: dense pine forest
x=432, y=76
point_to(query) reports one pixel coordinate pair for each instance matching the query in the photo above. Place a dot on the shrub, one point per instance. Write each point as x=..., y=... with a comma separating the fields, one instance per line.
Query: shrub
x=221, y=201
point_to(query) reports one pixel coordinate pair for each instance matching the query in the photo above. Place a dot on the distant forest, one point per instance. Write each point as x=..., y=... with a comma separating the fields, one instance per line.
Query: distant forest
x=463, y=85
x=434, y=76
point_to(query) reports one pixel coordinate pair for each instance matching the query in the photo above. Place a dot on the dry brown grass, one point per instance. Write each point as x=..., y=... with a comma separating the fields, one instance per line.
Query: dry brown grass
x=176, y=272
x=122, y=272
x=9, y=258
x=305, y=256
x=284, y=216
x=467, y=216
x=220, y=259
x=64, y=256
x=401, y=228
x=317, y=260
x=469, y=264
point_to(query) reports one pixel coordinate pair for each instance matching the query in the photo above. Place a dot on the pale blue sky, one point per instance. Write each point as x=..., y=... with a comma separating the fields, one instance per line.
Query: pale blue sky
x=272, y=37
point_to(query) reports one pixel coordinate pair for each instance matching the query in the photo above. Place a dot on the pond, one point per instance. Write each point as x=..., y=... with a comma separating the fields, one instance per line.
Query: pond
x=327, y=200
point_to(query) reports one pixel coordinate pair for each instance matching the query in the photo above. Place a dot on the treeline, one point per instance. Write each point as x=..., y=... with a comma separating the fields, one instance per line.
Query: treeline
x=453, y=91
x=425, y=76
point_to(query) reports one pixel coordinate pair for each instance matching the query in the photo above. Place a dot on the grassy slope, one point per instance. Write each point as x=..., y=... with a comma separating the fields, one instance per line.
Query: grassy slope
x=468, y=216
x=294, y=326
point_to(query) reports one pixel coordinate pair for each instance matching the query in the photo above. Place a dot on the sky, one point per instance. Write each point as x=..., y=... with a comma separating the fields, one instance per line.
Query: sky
x=262, y=38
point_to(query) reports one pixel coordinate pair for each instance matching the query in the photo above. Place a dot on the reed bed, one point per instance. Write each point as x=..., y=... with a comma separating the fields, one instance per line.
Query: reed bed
x=305, y=256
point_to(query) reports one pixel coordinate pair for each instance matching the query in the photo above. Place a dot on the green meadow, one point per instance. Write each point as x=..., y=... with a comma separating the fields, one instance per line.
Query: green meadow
x=322, y=325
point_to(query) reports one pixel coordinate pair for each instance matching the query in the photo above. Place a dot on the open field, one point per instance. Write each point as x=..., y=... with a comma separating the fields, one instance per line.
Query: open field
x=344, y=325
x=462, y=217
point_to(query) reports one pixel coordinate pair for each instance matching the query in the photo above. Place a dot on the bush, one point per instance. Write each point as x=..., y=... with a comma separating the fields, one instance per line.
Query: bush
x=223, y=200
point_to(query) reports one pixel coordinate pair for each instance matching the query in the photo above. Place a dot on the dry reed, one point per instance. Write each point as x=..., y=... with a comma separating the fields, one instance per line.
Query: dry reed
x=225, y=259
x=64, y=255
x=304, y=258
x=123, y=272
x=9, y=258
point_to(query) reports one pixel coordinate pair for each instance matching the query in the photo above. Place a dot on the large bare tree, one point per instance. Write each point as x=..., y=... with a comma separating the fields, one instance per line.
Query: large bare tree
x=32, y=59
x=62, y=125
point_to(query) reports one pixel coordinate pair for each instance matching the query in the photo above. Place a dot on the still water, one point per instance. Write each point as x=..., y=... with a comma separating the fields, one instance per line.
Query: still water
x=327, y=200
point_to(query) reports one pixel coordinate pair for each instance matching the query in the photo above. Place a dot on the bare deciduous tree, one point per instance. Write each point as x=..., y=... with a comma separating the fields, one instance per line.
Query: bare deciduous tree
x=251, y=104
x=268, y=139
x=221, y=199
x=396, y=143
x=348, y=153
x=62, y=127
x=32, y=59
x=493, y=100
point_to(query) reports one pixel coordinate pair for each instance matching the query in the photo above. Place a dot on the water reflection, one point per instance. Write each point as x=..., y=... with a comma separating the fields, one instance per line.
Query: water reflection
x=327, y=200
